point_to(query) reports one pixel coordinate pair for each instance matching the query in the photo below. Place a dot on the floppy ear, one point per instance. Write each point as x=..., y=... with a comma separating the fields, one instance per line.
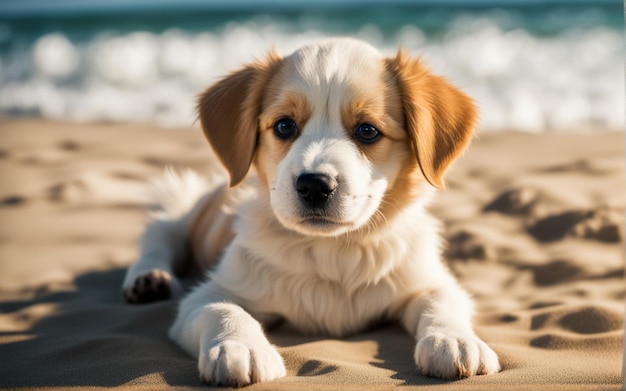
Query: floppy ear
x=439, y=118
x=229, y=112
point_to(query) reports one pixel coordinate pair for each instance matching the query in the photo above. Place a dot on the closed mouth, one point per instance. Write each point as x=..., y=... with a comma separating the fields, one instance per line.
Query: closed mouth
x=321, y=221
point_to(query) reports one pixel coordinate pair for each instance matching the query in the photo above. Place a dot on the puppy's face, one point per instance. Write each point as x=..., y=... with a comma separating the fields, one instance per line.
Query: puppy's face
x=332, y=138
x=342, y=137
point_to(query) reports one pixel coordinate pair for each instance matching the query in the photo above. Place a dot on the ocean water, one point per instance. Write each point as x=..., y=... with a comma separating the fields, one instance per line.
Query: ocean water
x=530, y=65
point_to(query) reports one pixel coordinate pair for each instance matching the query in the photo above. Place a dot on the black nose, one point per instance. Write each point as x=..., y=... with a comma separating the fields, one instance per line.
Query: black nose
x=314, y=189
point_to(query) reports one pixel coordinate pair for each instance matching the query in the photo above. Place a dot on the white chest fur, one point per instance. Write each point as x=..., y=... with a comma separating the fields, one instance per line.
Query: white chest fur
x=334, y=285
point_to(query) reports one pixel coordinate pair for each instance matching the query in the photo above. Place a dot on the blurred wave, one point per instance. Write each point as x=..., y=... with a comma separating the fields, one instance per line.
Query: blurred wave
x=531, y=68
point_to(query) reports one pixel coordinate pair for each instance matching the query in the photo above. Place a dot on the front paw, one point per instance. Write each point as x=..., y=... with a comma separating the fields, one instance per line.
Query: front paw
x=154, y=285
x=233, y=363
x=446, y=357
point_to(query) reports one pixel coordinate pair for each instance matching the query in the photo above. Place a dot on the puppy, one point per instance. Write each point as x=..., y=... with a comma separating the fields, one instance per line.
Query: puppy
x=330, y=230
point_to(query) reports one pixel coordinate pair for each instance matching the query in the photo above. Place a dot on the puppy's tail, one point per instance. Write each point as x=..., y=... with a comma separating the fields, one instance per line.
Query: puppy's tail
x=173, y=194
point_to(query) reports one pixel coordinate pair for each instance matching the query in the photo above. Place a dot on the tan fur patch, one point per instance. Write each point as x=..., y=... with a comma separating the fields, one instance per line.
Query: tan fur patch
x=210, y=231
x=229, y=112
x=278, y=104
x=439, y=118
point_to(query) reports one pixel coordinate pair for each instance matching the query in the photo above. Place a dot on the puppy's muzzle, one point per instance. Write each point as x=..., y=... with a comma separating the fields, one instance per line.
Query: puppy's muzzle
x=314, y=190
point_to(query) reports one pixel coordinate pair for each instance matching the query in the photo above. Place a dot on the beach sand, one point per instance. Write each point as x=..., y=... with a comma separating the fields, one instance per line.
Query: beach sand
x=535, y=231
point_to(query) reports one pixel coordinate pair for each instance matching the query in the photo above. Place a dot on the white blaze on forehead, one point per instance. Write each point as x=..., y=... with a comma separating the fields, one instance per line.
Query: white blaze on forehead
x=335, y=62
x=330, y=74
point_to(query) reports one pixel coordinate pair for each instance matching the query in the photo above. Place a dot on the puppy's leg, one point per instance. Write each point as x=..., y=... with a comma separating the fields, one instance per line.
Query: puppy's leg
x=164, y=242
x=447, y=346
x=151, y=278
x=230, y=344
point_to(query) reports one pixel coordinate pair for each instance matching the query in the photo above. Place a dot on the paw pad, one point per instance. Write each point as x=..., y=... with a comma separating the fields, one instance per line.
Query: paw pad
x=153, y=286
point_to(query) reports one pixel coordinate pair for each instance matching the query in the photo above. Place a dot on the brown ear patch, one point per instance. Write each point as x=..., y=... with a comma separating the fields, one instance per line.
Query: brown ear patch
x=439, y=118
x=229, y=111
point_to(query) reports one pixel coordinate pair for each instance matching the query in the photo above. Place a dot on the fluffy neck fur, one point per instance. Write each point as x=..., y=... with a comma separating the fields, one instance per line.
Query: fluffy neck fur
x=338, y=284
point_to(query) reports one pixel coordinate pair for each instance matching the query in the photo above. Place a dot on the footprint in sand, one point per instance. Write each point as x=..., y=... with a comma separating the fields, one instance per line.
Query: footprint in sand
x=514, y=202
x=69, y=145
x=68, y=192
x=601, y=224
x=556, y=272
x=13, y=200
x=467, y=245
x=577, y=326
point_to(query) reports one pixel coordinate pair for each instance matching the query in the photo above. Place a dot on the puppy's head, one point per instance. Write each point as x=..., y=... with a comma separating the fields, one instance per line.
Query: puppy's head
x=341, y=137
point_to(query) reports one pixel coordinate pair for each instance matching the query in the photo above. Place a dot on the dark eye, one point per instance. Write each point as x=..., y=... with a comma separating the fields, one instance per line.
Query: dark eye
x=285, y=128
x=367, y=133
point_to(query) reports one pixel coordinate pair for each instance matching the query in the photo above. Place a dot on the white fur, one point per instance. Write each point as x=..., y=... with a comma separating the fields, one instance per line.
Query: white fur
x=334, y=279
x=171, y=197
x=173, y=194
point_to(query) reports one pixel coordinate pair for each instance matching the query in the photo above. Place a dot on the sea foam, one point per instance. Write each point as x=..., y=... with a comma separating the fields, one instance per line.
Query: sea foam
x=568, y=81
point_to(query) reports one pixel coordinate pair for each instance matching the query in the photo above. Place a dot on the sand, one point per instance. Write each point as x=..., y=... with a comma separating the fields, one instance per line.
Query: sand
x=535, y=225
